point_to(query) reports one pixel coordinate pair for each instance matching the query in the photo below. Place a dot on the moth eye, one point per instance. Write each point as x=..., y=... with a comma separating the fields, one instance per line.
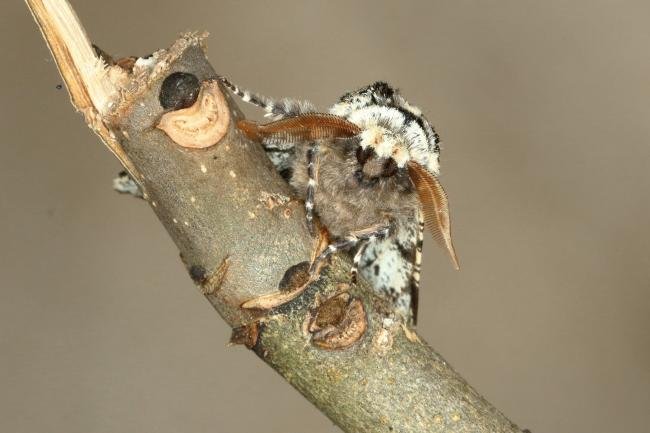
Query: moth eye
x=390, y=168
x=363, y=154
x=179, y=90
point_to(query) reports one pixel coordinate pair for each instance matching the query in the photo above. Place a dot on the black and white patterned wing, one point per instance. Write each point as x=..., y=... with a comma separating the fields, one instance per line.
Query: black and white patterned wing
x=392, y=266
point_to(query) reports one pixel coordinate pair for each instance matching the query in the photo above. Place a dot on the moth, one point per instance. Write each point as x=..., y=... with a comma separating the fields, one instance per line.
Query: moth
x=368, y=168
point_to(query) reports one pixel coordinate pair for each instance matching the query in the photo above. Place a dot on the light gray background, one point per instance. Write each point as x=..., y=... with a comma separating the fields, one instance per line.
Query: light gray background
x=543, y=108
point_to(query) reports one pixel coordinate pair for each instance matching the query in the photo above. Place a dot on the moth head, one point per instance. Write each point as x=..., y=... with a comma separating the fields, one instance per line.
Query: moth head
x=379, y=153
x=390, y=126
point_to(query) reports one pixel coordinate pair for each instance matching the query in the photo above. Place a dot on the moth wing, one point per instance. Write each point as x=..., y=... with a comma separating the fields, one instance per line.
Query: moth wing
x=391, y=267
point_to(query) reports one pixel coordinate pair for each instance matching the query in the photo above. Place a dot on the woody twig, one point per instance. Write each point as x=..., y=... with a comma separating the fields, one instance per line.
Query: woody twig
x=208, y=185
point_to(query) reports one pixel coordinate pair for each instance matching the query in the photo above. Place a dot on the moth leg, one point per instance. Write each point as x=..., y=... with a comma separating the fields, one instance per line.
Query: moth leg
x=417, y=263
x=352, y=240
x=354, y=272
x=312, y=173
x=285, y=107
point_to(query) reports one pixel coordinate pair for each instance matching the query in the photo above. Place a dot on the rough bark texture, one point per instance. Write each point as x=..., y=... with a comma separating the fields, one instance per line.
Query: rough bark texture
x=241, y=237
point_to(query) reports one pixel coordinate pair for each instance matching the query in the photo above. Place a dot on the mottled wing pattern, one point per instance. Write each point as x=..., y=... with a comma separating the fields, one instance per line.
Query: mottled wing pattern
x=391, y=268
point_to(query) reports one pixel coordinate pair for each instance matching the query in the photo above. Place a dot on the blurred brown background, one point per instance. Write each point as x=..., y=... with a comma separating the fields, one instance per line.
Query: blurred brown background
x=544, y=111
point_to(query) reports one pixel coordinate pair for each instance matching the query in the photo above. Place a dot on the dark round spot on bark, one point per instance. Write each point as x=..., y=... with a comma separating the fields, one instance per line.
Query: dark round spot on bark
x=59, y=86
x=296, y=276
x=198, y=274
x=179, y=90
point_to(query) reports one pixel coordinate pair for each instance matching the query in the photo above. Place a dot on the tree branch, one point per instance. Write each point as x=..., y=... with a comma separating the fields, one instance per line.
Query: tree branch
x=243, y=239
